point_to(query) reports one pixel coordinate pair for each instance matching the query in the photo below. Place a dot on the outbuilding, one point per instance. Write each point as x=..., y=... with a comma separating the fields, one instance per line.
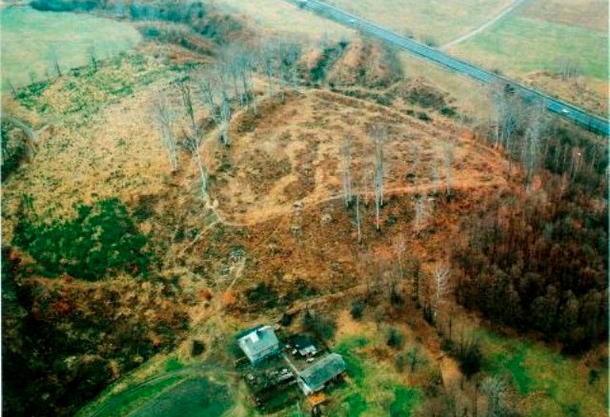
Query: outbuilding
x=315, y=377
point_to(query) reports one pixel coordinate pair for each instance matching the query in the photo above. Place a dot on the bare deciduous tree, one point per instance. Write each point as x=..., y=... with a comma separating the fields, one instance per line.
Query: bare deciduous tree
x=378, y=135
x=568, y=69
x=165, y=117
x=269, y=61
x=497, y=391
x=347, y=164
x=225, y=118
x=420, y=214
x=194, y=137
x=531, y=146
x=507, y=108
x=358, y=221
x=238, y=64
x=213, y=83
x=448, y=161
x=441, y=282
x=399, y=246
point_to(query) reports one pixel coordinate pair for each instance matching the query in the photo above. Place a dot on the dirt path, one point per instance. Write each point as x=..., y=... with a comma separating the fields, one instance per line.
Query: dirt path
x=486, y=25
x=312, y=202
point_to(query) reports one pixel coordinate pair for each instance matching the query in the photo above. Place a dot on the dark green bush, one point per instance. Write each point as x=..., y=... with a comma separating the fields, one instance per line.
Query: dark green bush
x=395, y=338
x=321, y=327
x=357, y=309
x=470, y=357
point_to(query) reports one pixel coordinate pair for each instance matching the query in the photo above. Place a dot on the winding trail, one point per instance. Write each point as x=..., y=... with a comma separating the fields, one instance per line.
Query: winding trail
x=21, y=125
x=486, y=25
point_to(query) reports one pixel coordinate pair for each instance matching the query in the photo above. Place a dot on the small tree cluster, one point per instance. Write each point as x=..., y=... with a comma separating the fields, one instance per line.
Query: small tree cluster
x=322, y=327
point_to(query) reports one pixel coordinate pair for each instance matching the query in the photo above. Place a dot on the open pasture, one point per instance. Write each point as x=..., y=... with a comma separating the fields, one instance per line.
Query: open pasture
x=68, y=39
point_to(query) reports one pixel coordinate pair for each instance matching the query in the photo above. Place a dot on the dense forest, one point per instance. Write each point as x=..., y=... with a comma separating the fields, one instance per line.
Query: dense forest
x=537, y=259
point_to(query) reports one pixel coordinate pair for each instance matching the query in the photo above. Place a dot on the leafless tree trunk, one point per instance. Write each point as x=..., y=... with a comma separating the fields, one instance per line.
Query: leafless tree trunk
x=225, y=118
x=347, y=174
x=441, y=283
x=399, y=245
x=448, y=161
x=194, y=137
x=436, y=179
x=238, y=63
x=214, y=83
x=165, y=118
x=506, y=106
x=420, y=214
x=496, y=390
x=358, y=221
x=378, y=134
x=568, y=69
x=536, y=125
x=207, y=89
x=268, y=59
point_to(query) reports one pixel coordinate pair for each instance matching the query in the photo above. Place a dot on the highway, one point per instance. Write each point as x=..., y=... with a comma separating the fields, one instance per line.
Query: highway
x=566, y=110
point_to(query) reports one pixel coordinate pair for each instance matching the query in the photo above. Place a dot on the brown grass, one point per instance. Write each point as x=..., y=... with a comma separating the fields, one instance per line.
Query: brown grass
x=301, y=161
x=589, y=14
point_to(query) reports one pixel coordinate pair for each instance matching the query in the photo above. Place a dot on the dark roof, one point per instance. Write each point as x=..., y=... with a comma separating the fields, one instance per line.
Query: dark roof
x=301, y=341
x=323, y=371
x=257, y=341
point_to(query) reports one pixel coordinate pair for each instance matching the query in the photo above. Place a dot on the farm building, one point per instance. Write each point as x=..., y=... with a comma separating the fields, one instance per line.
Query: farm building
x=259, y=344
x=315, y=377
x=303, y=345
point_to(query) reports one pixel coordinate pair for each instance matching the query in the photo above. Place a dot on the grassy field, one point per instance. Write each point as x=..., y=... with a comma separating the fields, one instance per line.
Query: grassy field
x=548, y=383
x=588, y=14
x=281, y=17
x=440, y=21
x=375, y=389
x=67, y=38
x=519, y=45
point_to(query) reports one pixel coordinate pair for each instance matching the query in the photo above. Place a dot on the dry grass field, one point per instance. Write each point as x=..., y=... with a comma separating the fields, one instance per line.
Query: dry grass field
x=274, y=166
x=588, y=14
x=533, y=43
x=441, y=21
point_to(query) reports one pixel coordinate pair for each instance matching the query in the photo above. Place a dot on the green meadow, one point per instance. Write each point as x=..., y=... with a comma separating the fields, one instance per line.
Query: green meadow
x=518, y=45
x=32, y=41
x=548, y=384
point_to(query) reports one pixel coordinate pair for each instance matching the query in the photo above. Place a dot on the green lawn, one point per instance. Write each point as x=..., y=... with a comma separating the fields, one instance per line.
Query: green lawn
x=374, y=389
x=549, y=383
x=518, y=45
x=67, y=38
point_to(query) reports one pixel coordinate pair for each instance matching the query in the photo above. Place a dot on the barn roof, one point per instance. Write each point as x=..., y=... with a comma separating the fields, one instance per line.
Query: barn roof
x=323, y=371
